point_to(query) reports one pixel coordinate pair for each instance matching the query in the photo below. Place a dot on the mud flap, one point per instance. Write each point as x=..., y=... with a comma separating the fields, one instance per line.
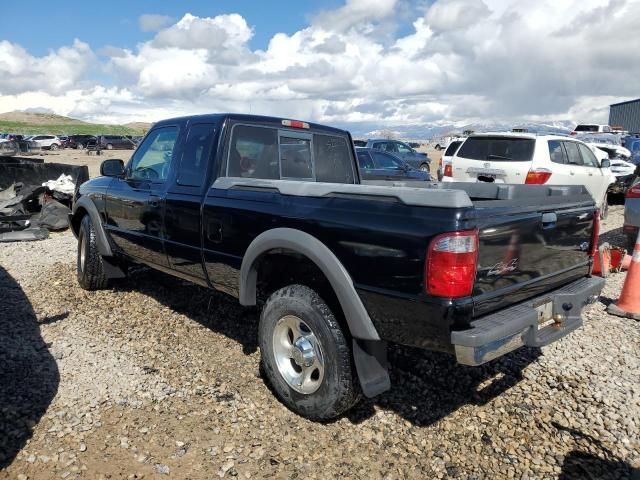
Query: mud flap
x=371, y=364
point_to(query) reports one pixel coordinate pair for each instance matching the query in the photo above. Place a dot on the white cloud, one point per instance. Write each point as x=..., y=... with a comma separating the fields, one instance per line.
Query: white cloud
x=463, y=60
x=152, y=22
x=54, y=72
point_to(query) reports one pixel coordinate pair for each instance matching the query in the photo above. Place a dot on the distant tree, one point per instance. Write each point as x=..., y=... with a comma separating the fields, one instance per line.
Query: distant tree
x=388, y=134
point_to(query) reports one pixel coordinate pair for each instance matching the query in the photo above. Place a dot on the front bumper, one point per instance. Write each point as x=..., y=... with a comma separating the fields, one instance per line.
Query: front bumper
x=501, y=332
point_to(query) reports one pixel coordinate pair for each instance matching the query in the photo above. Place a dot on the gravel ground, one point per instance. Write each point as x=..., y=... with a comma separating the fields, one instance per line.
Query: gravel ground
x=157, y=378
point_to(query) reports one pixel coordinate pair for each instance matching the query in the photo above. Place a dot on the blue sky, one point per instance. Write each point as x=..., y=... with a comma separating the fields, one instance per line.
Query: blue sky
x=51, y=26
x=363, y=64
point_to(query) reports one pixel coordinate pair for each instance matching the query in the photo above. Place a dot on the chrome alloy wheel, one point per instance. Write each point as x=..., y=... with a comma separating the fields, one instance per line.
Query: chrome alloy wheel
x=298, y=354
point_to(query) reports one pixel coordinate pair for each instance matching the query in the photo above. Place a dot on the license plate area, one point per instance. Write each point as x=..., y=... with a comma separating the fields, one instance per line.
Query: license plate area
x=544, y=308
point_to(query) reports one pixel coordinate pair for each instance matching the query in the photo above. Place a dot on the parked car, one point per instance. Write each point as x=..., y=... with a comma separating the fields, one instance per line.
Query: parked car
x=359, y=143
x=47, y=142
x=532, y=159
x=610, y=144
x=632, y=214
x=591, y=128
x=378, y=165
x=632, y=143
x=79, y=141
x=115, y=142
x=272, y=211
x=446, y=166
x=416, y=159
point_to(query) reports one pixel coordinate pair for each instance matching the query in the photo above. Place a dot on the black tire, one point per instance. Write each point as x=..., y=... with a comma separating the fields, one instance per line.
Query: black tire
x=339, y=389
x=425, y=168
x=54, y=146
x=79, y=146
x=109, y=146
x=90, y=268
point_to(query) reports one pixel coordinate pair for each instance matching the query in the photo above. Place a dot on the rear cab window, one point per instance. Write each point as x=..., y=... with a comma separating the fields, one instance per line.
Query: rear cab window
x=277, y=153
x=508, y=149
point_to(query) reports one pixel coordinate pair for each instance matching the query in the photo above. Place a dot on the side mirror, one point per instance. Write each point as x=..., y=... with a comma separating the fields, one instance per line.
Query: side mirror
x=606, y=163
x=113, y=167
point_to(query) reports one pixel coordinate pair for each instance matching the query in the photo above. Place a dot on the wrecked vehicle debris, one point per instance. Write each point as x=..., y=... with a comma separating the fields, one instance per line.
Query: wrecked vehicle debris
x=35, y=197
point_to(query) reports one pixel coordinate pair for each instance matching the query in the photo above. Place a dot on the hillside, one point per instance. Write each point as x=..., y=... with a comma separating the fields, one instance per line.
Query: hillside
x=48, y=123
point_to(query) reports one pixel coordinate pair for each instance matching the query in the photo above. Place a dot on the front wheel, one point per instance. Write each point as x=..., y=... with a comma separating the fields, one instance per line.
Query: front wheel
x=90, y=268
x=305, y=354
x=425, y=167
x=54, y=146
x=109, y=146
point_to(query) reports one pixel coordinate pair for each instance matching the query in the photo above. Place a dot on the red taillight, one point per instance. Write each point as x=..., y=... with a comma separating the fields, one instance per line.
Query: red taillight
x=595, y=233
x=634, y=192
x=451, y=264
x=538, y=176
x=448, y=170
x=573, y=134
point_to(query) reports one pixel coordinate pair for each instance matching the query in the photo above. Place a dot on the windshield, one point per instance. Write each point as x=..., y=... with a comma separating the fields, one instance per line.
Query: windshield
x=498, y=149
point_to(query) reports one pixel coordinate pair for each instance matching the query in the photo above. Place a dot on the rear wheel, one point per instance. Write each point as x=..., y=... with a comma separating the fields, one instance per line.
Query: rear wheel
x=109, y=146
x=54, y=146
x=90, y=268
x=79, y=146
x=305, y=354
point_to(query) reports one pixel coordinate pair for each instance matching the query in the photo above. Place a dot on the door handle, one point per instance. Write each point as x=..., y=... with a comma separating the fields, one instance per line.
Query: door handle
x=214, y=231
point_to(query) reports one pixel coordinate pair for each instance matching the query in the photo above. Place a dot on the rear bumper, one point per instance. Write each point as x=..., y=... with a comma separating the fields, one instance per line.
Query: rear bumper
x=498, y=333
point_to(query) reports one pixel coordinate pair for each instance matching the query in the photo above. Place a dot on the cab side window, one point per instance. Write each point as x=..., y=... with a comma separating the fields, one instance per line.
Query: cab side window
x=557, y=153
x=588, y=158
x=253, y=153
x=402, y=148
x=573, y=153
x=195, y=156
x=152, y=159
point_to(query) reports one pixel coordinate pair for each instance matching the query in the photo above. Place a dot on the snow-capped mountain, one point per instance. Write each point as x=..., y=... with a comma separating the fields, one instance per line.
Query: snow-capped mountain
x=428, y=131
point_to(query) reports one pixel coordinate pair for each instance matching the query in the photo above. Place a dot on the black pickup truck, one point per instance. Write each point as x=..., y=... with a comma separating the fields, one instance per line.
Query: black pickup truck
x=274, y=212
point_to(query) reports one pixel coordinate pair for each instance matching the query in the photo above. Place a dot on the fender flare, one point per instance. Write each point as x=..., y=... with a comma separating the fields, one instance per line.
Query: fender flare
x=360, y=324
x=85, y=203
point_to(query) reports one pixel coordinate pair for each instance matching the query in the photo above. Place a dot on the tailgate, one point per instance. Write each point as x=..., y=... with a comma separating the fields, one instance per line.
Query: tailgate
x=527, y=251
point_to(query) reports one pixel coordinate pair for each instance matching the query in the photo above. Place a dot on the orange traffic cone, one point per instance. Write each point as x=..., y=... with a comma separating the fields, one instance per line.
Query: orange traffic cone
x=629, y=302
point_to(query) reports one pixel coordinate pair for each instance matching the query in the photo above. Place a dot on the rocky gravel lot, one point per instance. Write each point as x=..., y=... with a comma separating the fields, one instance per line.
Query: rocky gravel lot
x=157, y=378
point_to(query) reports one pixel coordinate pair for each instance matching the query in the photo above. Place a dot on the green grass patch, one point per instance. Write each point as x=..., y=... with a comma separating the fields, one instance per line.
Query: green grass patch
x=66, y=129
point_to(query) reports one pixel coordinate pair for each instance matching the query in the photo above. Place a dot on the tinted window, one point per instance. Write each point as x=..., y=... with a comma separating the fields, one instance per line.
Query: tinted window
x=386, y=162
x=588, y=158
x=586, y=128
x=364, y=161
x=333, y=160
x=389, y=147
x=193, y=163
x=497, y=149
x=253, y=153
x=153, y=158
x=295, y=157
x=573, y=154
x=451, y=149
x=556, y=152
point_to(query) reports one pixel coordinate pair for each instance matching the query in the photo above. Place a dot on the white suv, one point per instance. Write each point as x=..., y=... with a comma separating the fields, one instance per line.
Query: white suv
x=46, y=141
x=532, y=159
